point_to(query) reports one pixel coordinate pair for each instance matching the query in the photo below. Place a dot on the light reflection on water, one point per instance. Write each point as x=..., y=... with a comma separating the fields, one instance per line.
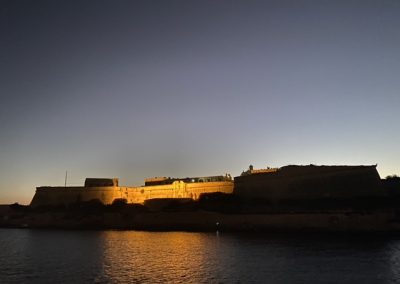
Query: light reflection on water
x=148, y=257
x=42, y=256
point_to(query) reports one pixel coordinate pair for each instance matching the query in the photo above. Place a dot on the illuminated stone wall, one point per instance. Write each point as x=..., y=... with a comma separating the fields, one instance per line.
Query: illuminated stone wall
x=179, y=189
x=68, y=195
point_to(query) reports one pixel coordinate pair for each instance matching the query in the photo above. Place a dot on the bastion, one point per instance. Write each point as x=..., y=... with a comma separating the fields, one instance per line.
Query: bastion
x=309, y=182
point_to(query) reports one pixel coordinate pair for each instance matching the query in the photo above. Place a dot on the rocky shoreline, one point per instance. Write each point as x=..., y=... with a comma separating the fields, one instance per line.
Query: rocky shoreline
x=140, y=218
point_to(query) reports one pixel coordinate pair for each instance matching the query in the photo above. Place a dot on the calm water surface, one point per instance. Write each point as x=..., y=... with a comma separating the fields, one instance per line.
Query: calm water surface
x=45, y=256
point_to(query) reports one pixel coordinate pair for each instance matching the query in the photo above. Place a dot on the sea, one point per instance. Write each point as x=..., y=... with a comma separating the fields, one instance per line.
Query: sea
x=58, y=256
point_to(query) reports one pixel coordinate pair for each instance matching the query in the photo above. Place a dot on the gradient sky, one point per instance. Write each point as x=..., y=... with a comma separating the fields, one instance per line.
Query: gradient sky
x=135, y=89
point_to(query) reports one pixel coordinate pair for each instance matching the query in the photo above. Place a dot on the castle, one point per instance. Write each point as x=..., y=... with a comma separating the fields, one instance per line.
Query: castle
x=310, y=182
x=271, y=184
x=109, y=190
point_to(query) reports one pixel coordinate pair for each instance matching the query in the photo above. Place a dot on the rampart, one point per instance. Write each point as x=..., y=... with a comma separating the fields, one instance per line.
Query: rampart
x=46, y=195
x=311, y=182
x=286, y=183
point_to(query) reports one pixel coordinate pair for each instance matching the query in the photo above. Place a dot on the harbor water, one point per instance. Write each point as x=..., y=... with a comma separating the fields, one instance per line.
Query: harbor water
x=57, y=256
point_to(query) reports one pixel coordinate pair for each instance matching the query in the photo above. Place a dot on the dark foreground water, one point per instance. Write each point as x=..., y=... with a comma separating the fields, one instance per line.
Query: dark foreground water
x=45, y=256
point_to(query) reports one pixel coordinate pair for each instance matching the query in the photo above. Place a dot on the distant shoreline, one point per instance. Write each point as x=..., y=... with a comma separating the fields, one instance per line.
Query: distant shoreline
x=134, y=218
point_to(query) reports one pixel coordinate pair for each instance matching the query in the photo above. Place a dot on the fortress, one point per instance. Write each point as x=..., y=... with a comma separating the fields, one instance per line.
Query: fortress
x=108, y=190
x=271, y=184
x=310, y=182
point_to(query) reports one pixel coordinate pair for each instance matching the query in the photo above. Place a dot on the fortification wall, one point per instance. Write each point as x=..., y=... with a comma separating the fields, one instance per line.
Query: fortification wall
x=195, y=189
x=68, y=195
x=311, y=182
x=179, y=189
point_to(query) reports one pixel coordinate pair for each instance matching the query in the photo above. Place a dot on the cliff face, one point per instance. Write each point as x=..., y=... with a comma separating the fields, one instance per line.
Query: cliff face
x=311, y=182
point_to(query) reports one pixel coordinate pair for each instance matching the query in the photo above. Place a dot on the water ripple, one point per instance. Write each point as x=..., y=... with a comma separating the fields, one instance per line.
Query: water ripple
x=41, y=256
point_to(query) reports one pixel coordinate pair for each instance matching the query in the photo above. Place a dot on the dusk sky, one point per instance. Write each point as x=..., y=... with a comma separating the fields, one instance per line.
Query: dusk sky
x=135, y=89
